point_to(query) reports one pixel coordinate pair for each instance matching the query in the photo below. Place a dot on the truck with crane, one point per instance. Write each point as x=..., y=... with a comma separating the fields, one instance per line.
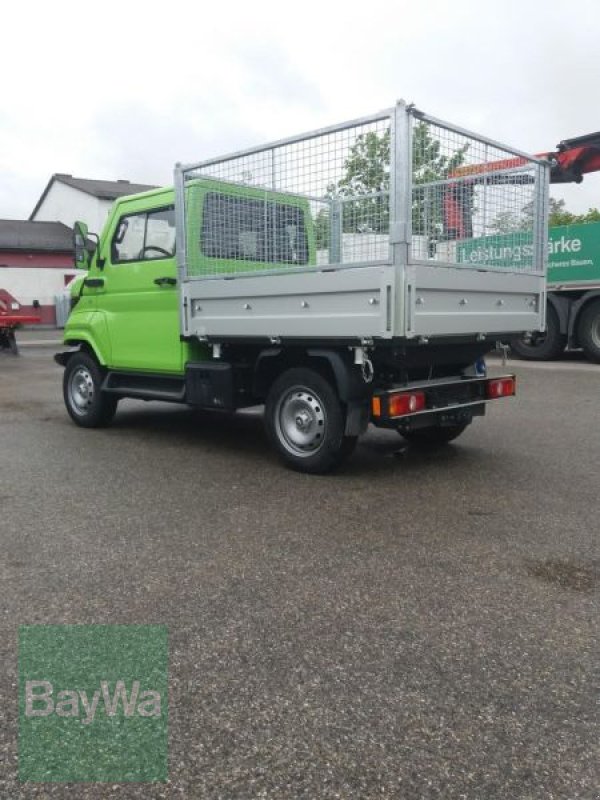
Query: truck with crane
x=573, y=298
x=260, y=278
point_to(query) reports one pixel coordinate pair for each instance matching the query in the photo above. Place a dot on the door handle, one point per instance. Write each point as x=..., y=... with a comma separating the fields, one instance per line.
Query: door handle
x=165, y=281
x=93, y=283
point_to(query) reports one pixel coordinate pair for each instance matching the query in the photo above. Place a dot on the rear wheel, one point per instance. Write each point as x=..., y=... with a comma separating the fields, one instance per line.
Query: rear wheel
x=305, y=421
x=87, y=404
x=588, y=331
x=541, y=346
x=435, y=435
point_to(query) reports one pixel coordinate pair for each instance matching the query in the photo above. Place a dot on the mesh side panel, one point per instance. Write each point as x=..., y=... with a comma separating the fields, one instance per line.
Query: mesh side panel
x=473, y=203
x=318, y=201
x=324, y=199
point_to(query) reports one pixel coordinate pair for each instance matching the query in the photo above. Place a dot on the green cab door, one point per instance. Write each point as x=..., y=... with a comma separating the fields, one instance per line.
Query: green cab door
x=139, y=297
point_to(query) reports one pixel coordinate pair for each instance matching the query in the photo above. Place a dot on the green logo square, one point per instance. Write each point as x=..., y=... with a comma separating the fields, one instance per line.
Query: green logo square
x=93, y=703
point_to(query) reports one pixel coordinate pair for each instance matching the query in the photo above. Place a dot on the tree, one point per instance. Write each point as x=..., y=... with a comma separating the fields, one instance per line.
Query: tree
x=510, y=222
x=430, y=164
x=365, y=185
x=363, y=188
x=560, y=216
x=322, y=228
x=521, y=222
x=367, y=173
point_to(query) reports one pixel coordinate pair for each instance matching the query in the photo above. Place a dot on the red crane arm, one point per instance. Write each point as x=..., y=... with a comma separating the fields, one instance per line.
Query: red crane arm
x=572, y=159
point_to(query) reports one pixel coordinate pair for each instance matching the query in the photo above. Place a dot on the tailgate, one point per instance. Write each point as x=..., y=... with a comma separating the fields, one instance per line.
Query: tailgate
x=442, y=300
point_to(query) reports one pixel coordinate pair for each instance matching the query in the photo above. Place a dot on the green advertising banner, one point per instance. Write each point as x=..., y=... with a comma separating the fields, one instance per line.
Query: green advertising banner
x=573, y=252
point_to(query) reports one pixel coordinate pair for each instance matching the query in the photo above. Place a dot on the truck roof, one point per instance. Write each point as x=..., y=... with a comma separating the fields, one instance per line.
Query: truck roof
x=239, y=189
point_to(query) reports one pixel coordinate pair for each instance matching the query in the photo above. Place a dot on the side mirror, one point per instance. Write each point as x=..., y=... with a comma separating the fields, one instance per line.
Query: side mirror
x=80, y=242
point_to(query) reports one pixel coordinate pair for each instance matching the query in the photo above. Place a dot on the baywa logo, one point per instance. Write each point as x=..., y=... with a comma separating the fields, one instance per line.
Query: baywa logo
x=93, y=703
x=39, y=701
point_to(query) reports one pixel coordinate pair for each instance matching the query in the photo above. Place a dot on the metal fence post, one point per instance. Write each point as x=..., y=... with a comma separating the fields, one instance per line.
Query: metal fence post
x=335, y=231
x=540, y=231
x=180, y=243
x=400, y=185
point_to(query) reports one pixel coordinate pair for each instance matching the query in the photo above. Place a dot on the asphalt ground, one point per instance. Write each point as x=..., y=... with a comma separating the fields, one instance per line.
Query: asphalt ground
x=422, y=624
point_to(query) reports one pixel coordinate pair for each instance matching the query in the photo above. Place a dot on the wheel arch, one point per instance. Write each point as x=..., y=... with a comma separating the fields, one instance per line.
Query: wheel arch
x=330, y=363
x=562, y=307
x=79, y=344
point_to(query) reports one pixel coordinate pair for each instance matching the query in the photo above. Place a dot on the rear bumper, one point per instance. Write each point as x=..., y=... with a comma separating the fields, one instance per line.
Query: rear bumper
x=438, y=402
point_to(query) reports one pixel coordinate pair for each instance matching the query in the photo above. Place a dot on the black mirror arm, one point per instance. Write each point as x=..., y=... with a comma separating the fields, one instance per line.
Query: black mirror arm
x=99, y=261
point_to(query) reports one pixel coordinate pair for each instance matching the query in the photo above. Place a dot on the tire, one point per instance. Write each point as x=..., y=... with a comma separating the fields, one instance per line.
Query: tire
x=588, y=330
x=87, y=405
x=8, y=341
x=545, y=346
x=305, y=421
x=435, y=435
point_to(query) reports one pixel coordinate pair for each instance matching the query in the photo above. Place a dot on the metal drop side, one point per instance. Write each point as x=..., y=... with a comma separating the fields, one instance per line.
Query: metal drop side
x=380, y=258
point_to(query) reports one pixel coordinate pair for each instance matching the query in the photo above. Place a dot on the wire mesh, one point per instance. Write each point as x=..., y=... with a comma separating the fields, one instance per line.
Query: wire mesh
x=473, y=203
x=315, y=201
x=324, y=199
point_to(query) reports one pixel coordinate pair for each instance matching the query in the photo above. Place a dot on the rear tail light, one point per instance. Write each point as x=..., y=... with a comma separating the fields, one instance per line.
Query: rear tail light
x=408, y=403
x=398, y=404
x=501, y=387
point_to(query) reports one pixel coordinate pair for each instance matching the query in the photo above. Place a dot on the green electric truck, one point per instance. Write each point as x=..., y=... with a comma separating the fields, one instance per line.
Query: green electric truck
x=279, y=276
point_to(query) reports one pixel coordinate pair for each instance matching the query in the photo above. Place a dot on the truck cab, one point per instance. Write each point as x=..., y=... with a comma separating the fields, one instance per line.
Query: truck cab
x=126, y=311
x=127, y=308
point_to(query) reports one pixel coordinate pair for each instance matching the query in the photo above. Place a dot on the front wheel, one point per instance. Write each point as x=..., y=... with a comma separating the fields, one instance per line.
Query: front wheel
x=434, y=435
x=305, y=421
x=87, y=404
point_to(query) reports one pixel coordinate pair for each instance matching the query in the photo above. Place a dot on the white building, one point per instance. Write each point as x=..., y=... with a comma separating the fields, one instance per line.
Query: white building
x=67, y=199
x=36, y=255
x=36, y=264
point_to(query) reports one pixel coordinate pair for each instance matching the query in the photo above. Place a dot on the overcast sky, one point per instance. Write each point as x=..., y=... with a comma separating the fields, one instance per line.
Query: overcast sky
x=125, y=89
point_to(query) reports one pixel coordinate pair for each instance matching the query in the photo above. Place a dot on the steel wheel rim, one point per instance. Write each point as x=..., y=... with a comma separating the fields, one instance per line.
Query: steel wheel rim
x=81, y=391
x=301, y=421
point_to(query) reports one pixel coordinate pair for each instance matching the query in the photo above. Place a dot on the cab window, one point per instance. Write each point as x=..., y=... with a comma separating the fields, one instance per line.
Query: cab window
x=144, y=237
x=245, y=229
